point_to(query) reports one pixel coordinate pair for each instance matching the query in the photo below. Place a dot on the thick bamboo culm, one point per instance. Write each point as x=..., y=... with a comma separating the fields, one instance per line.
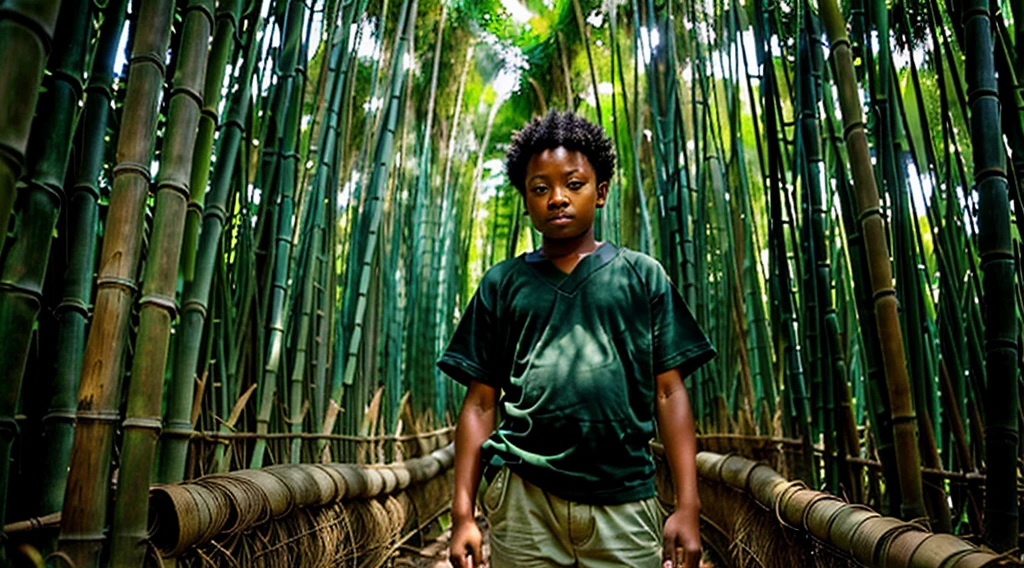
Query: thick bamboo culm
x=995, y=246
x=849, y=530
x=879, y=266
x=85, y=507
x=23, y=274
x=26, y=33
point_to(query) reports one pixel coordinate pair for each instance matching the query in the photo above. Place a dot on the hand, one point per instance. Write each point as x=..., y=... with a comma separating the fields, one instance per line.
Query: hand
x=682, y=540
x=466, y=545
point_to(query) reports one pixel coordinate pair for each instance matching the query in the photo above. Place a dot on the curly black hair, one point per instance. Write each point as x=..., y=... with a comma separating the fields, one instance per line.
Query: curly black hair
x=555, y=129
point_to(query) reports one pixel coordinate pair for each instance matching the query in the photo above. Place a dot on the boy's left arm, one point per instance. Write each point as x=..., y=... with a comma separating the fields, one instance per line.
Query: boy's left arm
x=678, y=434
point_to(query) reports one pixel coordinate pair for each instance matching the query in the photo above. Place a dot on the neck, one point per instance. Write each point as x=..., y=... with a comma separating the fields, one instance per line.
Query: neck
x=578, y=246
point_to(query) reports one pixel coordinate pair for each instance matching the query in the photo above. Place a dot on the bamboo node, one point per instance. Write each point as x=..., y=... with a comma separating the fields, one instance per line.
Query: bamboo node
x=161, y=301
x=143, y=423
x=59, y=416
x=882, y=293
x=128, y=167
x=73, y=81
x=849, y=128
x=126, y=283
x=13, y=157
x=95, y=87
x=86, y=187
x=210, y=113
x=194, y=306
x=73, y=304
x=994, y=171
x=175, y=429
x=980, y=93
x=150, y=57
x=215, y=210
x=188, y=92
x=39, y=29
x=975, y=12
x=179, y=188
x=232, y=121
x=201, y=8
x=54, y=192
x=867, y=212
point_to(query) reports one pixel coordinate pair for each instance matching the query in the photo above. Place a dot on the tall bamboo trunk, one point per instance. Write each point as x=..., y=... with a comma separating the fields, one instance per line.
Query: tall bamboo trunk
x=72, y=313
x=997, y=263
x=818, y=293
x=420, y=355
x=224, y=45
x=362, y=259
x=195, y=304
x=383, y=155
x=158, y=307
x=789, y=356
x=26, y=33
x=286, y=111
x=879, y=268
x=85, y=505
x=892, y=164
x=24, y=270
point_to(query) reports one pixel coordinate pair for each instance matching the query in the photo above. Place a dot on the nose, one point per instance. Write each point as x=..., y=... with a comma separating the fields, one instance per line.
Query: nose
x=558, y=199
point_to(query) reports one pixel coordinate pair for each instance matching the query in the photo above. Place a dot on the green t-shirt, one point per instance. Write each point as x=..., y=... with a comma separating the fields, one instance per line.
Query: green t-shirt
x=576, y=357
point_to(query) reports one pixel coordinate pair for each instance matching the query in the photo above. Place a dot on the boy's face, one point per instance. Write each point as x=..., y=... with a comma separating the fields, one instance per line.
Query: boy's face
x=562, y=194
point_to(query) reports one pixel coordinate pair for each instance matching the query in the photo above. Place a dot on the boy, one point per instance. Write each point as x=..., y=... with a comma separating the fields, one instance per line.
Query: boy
x=589, y=344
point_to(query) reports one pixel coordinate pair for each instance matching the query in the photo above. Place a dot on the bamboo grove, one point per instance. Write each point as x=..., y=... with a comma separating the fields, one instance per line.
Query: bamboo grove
x=240, y=232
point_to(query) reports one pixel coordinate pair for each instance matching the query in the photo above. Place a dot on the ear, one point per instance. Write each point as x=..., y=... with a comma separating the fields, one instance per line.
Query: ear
x=602, y=193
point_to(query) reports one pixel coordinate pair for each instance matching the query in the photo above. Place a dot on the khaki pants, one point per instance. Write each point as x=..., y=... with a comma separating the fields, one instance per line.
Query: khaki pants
x=532, y=528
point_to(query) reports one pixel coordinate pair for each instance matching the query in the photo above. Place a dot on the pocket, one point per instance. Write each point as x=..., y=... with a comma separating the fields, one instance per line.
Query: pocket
x=654, y=518
x=494, y=495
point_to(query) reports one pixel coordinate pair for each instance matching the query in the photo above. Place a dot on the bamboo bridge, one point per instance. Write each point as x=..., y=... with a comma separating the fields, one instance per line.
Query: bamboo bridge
x=235, y=236
x=358, y=515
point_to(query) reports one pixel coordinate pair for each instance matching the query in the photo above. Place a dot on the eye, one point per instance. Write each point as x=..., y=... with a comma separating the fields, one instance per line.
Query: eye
x=539, y=189
x=576, y=184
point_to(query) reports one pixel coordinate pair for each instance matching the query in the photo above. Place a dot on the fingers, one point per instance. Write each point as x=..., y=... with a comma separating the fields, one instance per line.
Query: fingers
x=689, y=558
x=668, y=551
x=680, y=557
x=457, y=558
x=476, y=555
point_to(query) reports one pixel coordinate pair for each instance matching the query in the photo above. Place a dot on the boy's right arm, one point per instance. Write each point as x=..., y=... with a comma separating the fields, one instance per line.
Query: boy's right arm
x=476, y=423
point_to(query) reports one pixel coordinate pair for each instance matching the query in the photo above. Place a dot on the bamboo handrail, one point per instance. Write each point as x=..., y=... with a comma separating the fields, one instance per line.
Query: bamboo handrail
x=285, y=487
x=215, y=436
x=873, y=540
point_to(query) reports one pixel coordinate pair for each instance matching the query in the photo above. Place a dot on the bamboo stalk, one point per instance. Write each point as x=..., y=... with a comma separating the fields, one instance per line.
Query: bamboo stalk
x=366, y=256
x=26, y=32
x=997, y=263
x=879, y=268
x=221, y=51
x=177, y=425
x=72, y=313
x=287, y=108
x=27, y=258
x=82, y=533
x=158, y=307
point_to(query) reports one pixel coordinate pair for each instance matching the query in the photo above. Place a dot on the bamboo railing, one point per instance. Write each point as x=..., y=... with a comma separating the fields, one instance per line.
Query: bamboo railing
x=334, y=514
x=751, y=515
x=330, y=514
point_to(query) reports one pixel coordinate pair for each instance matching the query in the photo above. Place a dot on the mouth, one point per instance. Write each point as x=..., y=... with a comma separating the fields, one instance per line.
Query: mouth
x=560, y=219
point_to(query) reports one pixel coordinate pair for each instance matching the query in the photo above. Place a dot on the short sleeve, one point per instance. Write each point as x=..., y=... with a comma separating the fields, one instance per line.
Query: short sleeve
x=470, y=354
x=677, y=339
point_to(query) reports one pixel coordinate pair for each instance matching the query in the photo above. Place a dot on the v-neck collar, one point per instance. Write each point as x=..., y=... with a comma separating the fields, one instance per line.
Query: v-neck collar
x=570, y=282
